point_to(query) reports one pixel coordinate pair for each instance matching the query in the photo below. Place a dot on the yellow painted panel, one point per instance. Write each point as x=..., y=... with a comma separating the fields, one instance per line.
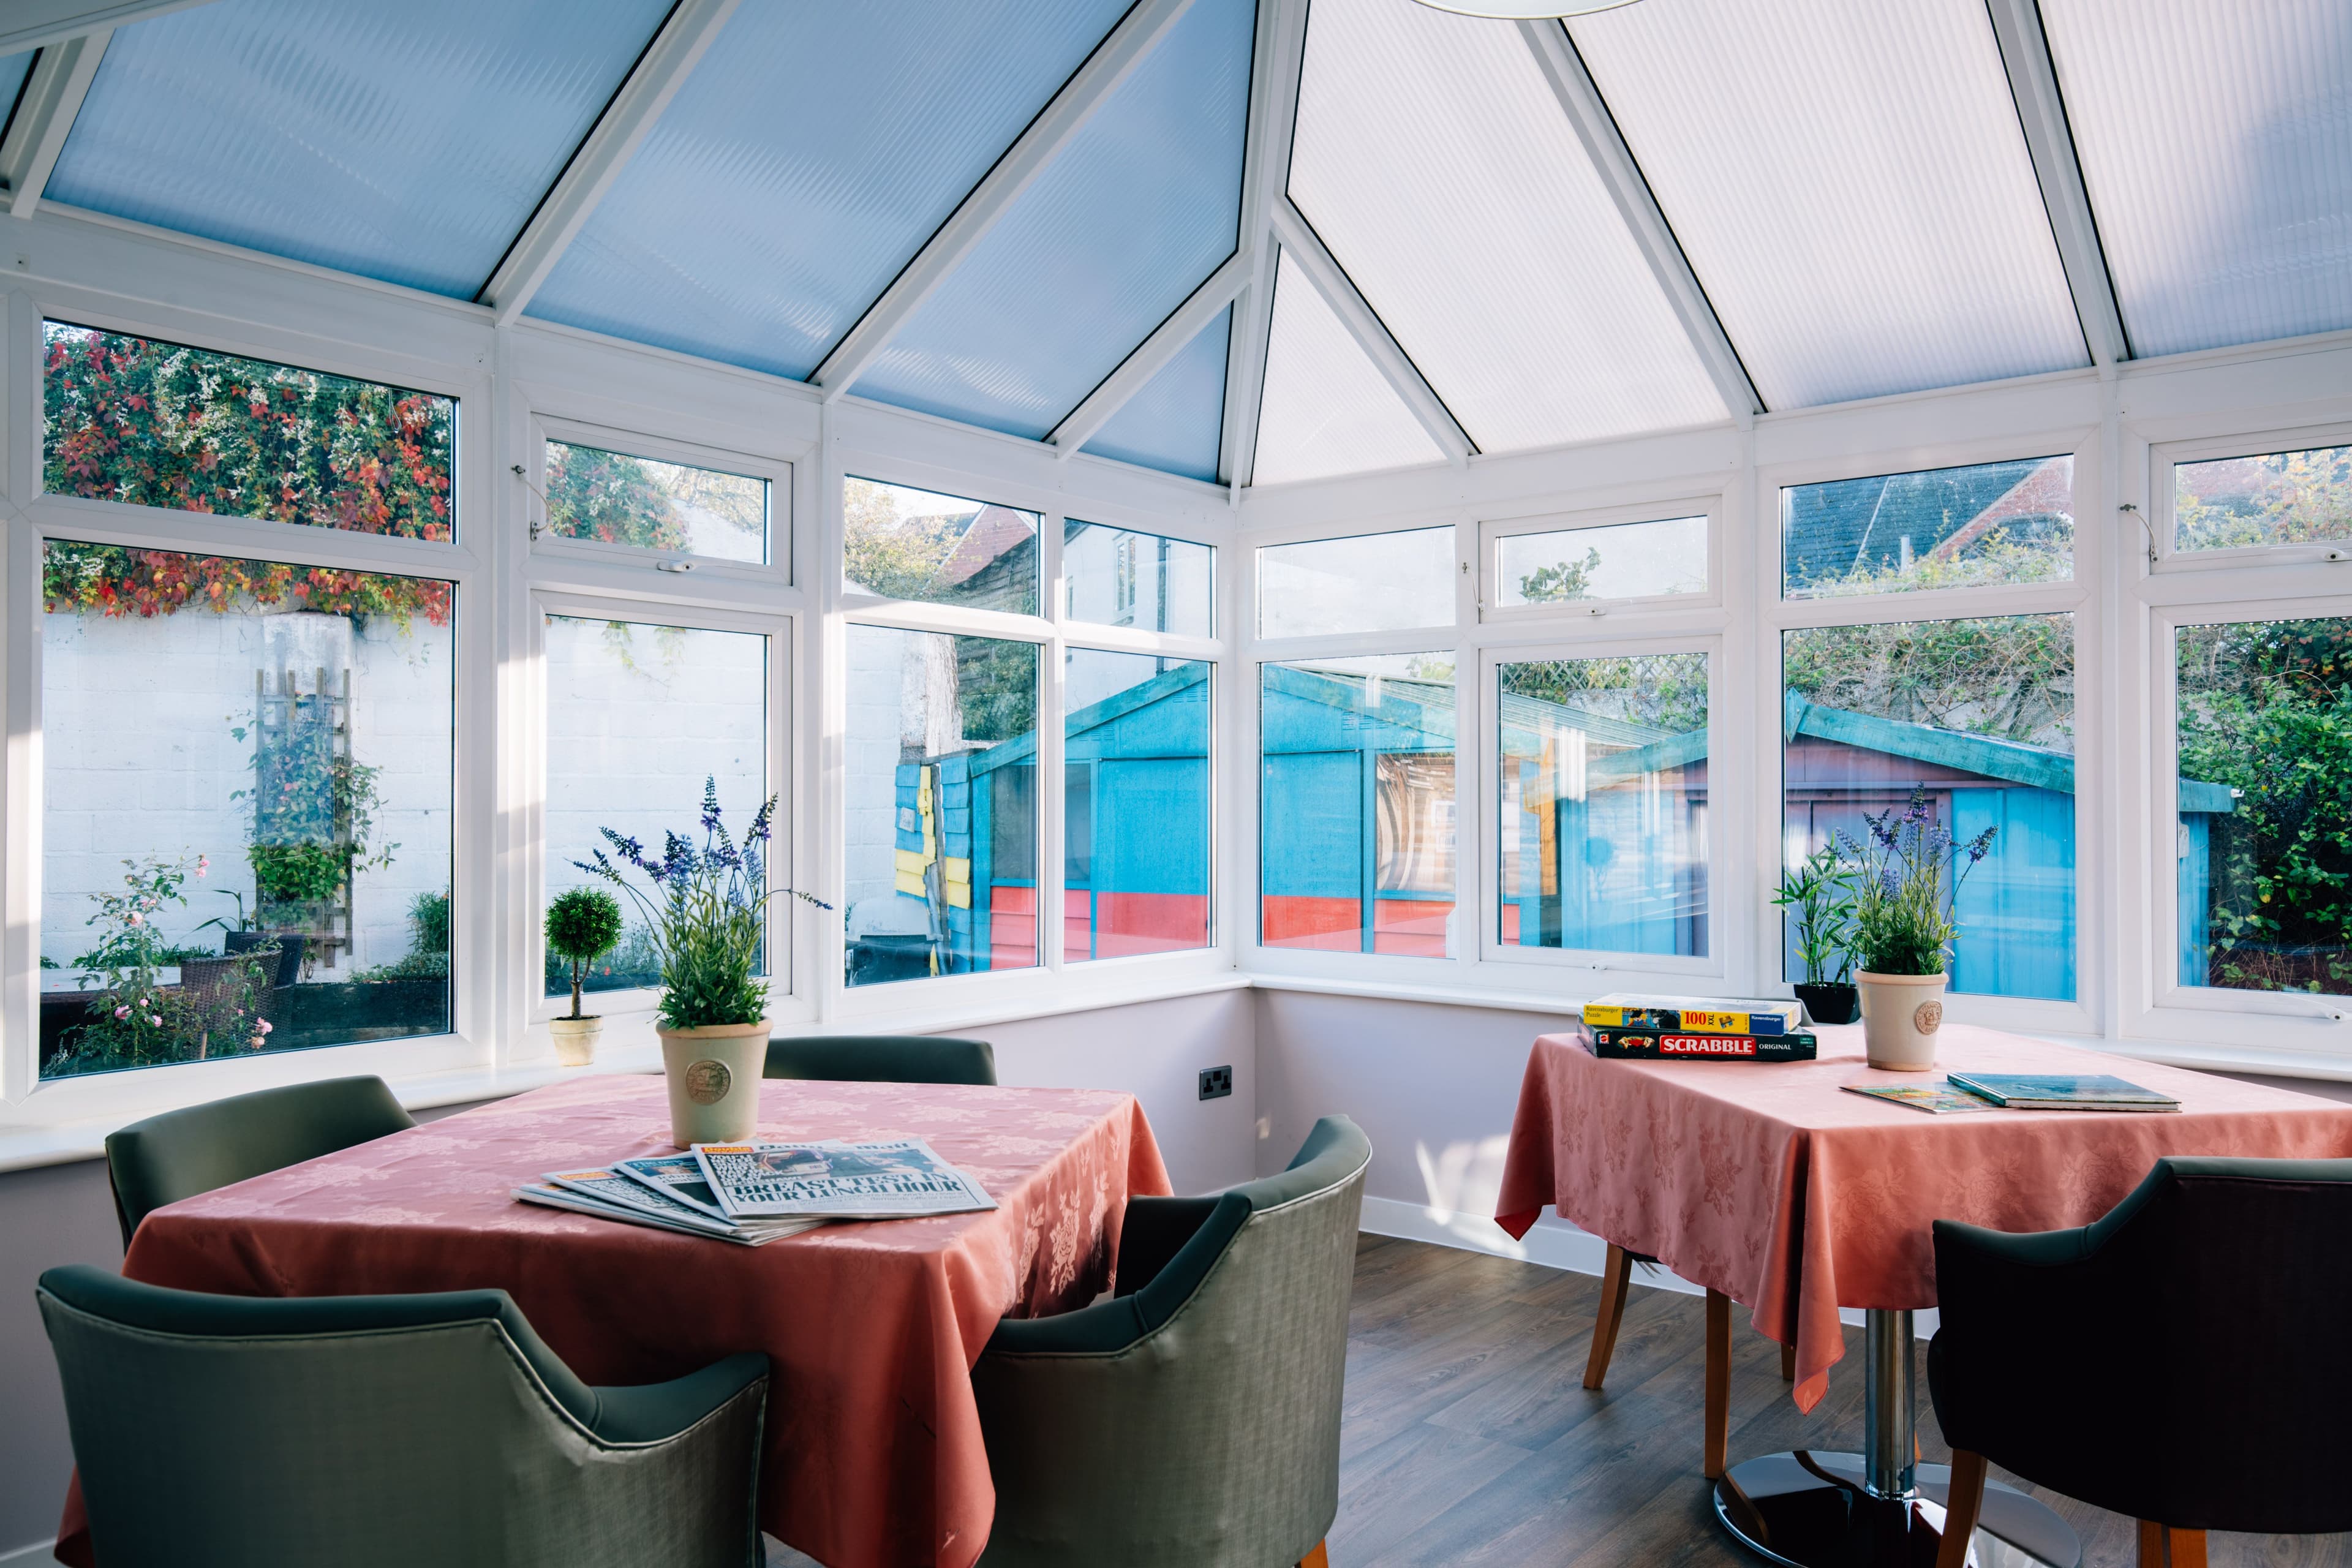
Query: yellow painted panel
x=912, y=864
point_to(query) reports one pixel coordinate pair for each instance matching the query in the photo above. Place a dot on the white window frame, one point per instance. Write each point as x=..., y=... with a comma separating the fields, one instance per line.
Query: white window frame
x=776, y=571
x=2163, y=498
x=1493, y=531
x=1664, y=969
x=1064, y=586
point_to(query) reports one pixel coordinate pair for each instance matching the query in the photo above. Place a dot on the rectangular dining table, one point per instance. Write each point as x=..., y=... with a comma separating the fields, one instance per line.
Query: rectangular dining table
x=872, y=1454
x=1771, y=1184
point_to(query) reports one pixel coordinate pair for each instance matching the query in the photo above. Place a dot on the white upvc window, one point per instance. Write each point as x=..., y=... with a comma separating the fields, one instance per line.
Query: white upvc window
x=674, y=505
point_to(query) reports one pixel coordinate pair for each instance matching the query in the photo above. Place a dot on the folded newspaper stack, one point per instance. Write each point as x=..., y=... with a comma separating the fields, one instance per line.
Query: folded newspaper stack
x=665, y=1191
x=764, y=1183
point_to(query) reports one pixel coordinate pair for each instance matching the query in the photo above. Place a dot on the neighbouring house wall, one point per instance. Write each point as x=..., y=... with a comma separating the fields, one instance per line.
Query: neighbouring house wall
x=62, y=1214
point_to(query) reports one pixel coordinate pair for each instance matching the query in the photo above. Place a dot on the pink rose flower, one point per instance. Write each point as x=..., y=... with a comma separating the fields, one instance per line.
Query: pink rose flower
x=137, y=919
x=262, y=1026
x=123, y=1011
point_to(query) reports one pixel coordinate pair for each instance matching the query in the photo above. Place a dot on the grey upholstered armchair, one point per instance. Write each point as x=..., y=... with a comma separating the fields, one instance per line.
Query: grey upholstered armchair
x=1192, y=1420
x=384, y=1432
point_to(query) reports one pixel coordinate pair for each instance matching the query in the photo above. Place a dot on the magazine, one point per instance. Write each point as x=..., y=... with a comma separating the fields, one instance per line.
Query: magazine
x=1932, y=1099
x=900, y=1179
x=676, y=1176
x=557, y=1197
x=614, y=1197
x=2063, y=1091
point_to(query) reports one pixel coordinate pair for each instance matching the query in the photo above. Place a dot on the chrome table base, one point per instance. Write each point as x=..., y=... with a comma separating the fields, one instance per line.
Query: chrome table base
x=1879, y=1509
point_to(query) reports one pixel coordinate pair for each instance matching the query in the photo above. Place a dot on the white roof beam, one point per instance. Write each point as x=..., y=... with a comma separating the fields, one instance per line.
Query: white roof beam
x=1151, y=356
x=1371, y=334
x=1596, y=128
x=619, y=132
x=1280, y=54
x=1060, y=121
x=2034, y=83
x=36, y=24
x=54, y=90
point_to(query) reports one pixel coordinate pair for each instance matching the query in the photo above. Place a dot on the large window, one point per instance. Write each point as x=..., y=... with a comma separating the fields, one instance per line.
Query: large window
x=2008, y=523
x=2271, y=498
x=1602, y=777
x=1117, y=578
x=1135, y=803
x=905, y=543
x=247, y=829
x=1977, y=716
x=2263, y=720
x=941, y=815
x=1376, y=583
x=612, y=497
x=639, y=717
x=163, y=424
x=1356, y=820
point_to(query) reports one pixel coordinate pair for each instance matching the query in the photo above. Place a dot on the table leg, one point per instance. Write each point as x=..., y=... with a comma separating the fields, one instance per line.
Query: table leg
x=1880, y=1507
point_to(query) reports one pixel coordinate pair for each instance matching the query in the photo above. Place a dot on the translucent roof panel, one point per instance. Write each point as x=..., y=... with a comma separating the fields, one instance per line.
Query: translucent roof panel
x=1135, y=211
x=1850, y=182
x=2216, y=140
x=1327, y=410
x=806, y=160
x=1435, y=164
x=408, y=143
x=1177, y=422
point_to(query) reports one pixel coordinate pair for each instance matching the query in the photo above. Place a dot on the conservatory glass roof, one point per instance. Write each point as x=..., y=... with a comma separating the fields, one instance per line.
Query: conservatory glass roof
x=1257, y=241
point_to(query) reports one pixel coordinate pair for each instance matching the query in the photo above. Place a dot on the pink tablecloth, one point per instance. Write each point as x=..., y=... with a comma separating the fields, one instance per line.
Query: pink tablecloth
x=874, y=1455
x=1771, y=1184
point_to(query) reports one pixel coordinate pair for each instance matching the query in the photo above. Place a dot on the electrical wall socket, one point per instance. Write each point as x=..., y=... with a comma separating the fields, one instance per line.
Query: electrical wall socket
x=1216, y=1082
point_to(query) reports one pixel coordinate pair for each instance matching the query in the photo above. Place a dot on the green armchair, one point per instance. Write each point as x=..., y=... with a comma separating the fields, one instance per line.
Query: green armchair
x=387, y=1431
x=883, y=1059
x=182, y=1153
x=1192, y=1420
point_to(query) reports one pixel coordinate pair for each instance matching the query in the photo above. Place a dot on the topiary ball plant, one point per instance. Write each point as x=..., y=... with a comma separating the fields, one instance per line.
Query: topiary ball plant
x=583, y=925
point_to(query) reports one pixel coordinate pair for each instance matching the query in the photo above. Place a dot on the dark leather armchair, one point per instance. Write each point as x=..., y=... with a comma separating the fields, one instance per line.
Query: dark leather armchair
x=2179, y=1361
x=882, y=1058
x=182, y=1153
x=387, y=1431
x=1192, y=1420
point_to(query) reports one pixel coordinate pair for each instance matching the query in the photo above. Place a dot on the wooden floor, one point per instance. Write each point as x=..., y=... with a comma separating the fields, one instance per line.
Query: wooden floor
x=1469, y=1439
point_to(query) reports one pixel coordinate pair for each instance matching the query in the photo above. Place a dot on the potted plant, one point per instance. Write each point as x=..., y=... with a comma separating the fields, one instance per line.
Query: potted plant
x=583, y=925
x=246, y=936
x=707, y=915
x=1908, y=874
x=1821, y=889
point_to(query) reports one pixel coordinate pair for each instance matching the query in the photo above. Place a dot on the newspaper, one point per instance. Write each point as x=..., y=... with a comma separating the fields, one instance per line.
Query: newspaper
x=679, y=1179
x=556, y=1197
x=900, y=1179
x=604, y=1192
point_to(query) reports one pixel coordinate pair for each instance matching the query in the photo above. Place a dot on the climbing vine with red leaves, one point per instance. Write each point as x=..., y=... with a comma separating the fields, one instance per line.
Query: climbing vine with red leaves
x=162, y=425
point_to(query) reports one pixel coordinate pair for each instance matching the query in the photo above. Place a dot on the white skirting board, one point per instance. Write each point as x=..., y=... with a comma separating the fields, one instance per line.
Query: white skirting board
x=1553, y=1243
x=41, y=1552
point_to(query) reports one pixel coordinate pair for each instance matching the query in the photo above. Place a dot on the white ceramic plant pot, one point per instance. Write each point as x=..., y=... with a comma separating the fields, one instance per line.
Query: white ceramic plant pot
x=576, y=1039
x=1900, y=1015
x=714, y=1081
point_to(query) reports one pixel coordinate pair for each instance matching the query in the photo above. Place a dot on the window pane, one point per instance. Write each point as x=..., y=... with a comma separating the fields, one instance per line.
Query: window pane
x=638, y=717
x=942, y=804
x=1624, y=561
x=612, y=497
x=1979, y=715
x=1944, y=528
x=1356, y=825
x=906, y=544
x=162, y=425
x=1375, y=582
x=1135, y=811
x=2266, y=835
x=245, y=836
x=1603, y=822
x=1116, y=578
x=2279, y=497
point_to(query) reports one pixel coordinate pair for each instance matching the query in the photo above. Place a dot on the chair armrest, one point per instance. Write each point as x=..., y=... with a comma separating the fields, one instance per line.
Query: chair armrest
x=1108, y=1327
x=1153, y=1232
x=655, y=1411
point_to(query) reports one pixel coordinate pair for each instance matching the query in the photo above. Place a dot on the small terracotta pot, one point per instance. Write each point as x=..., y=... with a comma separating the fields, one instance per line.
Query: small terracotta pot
x=576, y=1039
x=1900, y=1015
x=714, y=1081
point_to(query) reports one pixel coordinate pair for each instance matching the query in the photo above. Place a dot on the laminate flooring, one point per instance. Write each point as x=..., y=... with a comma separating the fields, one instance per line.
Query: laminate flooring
x=1469, y=1440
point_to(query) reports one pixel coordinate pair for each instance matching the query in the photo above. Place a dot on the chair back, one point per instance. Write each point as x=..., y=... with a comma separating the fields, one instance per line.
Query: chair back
x=883, y=1059
x=1217, y=1434
x=369, y=1430
x=182, y=1153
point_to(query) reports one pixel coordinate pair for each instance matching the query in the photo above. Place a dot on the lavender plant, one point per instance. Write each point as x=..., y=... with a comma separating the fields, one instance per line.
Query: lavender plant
x=707, y=914
x=1910, y=872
